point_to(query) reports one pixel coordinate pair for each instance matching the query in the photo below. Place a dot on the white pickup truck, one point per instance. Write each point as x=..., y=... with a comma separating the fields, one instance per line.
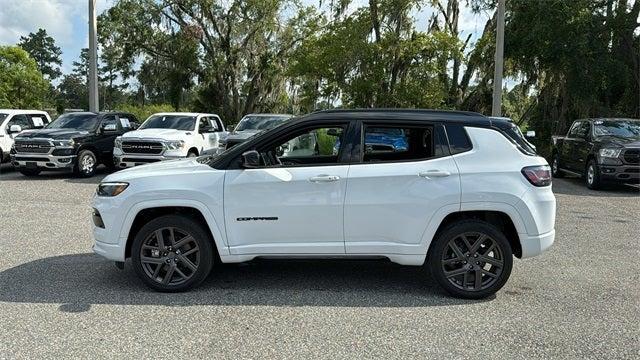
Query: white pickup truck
x=12, y=122
x=165, y=136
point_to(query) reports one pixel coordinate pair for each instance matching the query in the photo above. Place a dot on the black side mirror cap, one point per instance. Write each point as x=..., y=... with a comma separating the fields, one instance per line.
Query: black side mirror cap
x=251, y=159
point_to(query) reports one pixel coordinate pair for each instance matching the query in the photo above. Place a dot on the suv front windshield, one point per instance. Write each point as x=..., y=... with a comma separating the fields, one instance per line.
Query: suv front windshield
x=86, y=122
x=628, y=129
x=177, y=122
x=259, y=122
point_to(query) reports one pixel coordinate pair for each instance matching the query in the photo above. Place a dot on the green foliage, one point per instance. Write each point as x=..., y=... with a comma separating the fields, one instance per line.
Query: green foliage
x=42, y=48
x=21, y=83
x=142, y=112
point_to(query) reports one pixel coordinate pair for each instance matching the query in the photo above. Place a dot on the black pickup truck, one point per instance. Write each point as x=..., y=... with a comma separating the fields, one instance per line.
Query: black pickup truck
x=600, y=150
x=78, y=141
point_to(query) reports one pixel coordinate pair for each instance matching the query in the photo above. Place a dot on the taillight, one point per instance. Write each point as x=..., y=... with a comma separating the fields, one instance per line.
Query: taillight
x=538, y=175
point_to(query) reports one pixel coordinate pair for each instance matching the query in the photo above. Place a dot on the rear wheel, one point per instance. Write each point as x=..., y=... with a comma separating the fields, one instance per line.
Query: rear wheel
x=86, y=164
x=172, y=253
x=471, y=259
x=192, y=153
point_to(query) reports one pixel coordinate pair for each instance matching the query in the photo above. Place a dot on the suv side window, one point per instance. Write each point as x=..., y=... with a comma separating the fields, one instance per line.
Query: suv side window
x=204, y=124
x=215, y=121
x=458, y=139
x=384, y=143
x=316, y=145
x=21, y=120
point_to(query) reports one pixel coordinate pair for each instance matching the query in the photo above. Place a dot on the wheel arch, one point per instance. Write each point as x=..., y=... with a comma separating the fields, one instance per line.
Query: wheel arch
x=143, y=214
x=193, y=149
x=91, y=148
x=501, y=220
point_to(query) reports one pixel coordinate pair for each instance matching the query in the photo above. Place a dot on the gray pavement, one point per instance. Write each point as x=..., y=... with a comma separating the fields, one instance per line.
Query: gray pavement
x=581, y=299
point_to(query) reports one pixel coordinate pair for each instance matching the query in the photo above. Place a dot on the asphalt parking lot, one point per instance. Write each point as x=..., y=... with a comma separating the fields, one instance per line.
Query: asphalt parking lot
x=581, y=299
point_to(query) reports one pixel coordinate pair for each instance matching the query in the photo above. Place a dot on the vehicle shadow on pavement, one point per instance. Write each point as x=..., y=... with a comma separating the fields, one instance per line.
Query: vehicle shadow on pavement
x=81, y=280
x=577, y=187
x=8, y=173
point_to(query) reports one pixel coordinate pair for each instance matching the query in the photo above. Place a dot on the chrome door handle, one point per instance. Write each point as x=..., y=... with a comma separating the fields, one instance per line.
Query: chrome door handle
x=433, y=174
x=324, y=178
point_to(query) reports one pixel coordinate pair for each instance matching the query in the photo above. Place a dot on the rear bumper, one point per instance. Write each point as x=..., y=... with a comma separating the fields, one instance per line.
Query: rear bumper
x=533, y=245
x=43, y=161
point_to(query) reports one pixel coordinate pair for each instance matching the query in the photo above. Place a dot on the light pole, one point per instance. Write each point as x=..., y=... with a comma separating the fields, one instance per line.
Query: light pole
x=93, y=59
x=496, y=108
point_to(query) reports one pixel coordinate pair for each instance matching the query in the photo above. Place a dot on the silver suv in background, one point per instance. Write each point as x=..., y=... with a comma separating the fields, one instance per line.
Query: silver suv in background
x=251, y=125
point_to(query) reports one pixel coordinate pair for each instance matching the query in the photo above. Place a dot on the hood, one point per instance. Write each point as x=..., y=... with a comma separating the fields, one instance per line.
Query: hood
x=161, y=168
x=165, y=134
x=619, y=141
x=55, y=134
x=243, y=135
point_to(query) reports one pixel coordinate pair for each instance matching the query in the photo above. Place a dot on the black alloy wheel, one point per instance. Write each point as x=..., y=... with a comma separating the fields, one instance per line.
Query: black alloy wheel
x=471, y=259
x=172, y=253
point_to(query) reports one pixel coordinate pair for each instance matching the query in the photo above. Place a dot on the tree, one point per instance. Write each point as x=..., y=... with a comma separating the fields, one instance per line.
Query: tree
x=42, y=48
x=72, y=92
x=21, y=83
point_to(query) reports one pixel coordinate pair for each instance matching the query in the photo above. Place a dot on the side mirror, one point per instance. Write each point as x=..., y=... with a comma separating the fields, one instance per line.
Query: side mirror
x=134, y=125
x=109, y=127
x=13, y=129
x=531, y=134
x=251, y=159
x=333, y=132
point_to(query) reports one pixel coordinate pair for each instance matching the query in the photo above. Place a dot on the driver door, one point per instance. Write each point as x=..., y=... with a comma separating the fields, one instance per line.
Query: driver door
x=293, y=203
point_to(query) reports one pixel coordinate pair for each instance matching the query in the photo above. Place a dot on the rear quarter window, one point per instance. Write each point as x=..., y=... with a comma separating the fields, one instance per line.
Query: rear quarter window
x=458, y=139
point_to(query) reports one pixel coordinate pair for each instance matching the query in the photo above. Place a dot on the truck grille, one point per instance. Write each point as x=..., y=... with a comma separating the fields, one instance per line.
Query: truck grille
x=142, y=147
x=632, y=156
x=32, y=147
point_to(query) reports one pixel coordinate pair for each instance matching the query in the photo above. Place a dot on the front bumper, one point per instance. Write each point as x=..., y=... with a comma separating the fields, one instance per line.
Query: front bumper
x=130, y=160
x=43, y=161
x=620, y=173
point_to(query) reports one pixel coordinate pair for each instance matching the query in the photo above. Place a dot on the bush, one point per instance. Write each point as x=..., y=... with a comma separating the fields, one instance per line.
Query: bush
x=142, y=112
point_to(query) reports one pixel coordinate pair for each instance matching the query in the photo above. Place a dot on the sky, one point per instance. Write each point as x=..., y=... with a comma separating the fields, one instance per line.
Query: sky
x=67, y=22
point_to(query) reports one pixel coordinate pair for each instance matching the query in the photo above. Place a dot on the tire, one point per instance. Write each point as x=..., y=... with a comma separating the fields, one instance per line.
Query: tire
x=29, y=172
x=168, y=270
x=456, y=273
x=86, y=164
x=592, y=176
x=555, y=167
x=192, y=153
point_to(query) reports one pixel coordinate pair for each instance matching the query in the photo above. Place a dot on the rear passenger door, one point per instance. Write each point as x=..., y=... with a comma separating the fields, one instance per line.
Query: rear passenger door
x=404, y=176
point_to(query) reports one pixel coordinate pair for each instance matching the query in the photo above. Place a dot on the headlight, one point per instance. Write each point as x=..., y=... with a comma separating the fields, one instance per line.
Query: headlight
x=63, y=143
x=610, y=153
x=174, y=145
x=118, y=142
x=111, y=188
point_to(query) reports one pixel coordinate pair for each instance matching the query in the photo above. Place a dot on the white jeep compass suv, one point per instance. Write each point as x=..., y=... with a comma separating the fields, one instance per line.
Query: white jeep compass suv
x=166, y=136
x=461, y=196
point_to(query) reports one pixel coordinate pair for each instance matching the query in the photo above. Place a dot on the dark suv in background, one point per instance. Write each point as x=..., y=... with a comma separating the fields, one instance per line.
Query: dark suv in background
x=78, y=141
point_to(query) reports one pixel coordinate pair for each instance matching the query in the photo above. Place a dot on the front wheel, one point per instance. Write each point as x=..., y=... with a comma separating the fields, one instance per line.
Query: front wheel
x=471, y=259
x=172, y=253
x=592, y=176
x=555, y=167
x=86, y=164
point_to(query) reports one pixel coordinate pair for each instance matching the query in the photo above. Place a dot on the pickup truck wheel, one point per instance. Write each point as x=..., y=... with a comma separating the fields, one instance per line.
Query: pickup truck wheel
x=471, y=259
x=86, y=164
x=592, y=176
x=29, y=172
x=172, y=253
x=555, y=167
x=192, y=153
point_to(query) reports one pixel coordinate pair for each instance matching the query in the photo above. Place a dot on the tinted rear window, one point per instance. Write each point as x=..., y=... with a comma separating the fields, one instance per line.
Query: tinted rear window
x=458, y=139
